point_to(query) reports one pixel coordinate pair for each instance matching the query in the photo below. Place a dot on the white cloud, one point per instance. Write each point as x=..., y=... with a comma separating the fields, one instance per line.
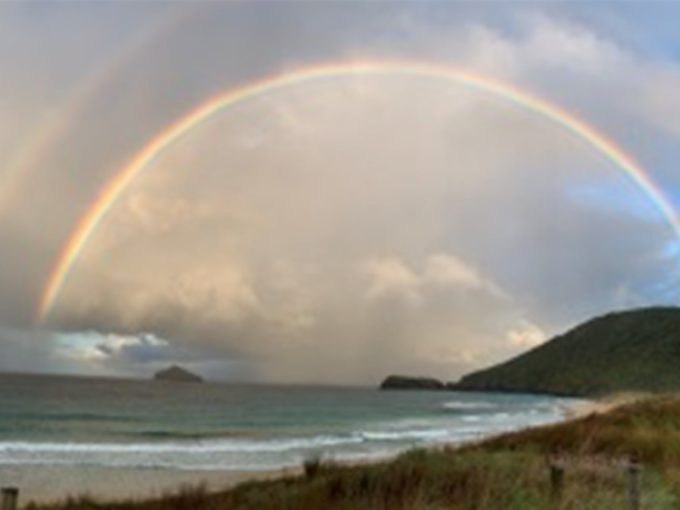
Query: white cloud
x=389, y=276
x=448, y=271
x=526, y=336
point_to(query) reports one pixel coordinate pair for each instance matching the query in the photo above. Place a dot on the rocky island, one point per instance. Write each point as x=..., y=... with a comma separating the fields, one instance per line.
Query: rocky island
x=177, y=374
x=403, y=382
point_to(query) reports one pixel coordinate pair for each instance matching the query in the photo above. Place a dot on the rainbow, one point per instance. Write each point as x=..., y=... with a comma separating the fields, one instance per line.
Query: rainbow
x=33, y=151
x=113, y=189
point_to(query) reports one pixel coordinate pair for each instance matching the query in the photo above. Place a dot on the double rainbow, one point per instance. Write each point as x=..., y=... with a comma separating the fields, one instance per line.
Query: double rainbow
x=113, y=189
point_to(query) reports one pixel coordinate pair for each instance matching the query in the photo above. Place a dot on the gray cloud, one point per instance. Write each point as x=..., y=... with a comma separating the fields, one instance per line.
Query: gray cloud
x=341, y=229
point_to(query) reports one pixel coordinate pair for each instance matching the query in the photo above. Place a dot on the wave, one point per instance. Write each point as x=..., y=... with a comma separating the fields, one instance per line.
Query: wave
x=159, y=449
x=174, y=464
x=459, y=405
x=162, y=442
x=226, y=455
x=401, y=435
x=232, y=445
x=216, y=446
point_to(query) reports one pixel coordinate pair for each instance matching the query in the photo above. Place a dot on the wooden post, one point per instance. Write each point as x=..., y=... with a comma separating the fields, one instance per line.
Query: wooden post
x=10, y=496
x=556, y=478
x=634, y=483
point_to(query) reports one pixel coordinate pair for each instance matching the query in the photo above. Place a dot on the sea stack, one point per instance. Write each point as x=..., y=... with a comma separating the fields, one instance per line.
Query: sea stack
x=177, y=374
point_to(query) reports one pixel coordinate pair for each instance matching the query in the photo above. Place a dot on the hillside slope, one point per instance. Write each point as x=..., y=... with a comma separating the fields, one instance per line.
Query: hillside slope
x=636, y=350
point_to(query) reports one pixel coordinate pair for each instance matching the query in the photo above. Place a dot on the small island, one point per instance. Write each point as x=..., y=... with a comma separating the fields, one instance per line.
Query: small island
x=403, y=382
x=177, y=374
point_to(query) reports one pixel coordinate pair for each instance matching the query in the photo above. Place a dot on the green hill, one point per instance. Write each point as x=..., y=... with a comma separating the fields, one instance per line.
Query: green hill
x=636, y=350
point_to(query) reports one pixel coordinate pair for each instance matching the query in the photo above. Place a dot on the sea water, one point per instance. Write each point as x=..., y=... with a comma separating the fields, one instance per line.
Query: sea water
x=186, y=426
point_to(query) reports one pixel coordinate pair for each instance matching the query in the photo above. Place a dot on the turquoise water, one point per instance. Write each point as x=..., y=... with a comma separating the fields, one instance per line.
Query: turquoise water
x=101, y=422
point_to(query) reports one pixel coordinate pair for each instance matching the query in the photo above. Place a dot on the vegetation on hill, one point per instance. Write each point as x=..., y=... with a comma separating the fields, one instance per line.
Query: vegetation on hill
x=636, y=350
x=509, y=472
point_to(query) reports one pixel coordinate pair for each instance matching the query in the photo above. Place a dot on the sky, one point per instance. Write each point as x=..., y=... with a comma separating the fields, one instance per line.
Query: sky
x=332, y=230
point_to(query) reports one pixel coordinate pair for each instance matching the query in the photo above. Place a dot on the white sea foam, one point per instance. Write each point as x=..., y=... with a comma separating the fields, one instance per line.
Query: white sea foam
x=266, y=454
x=460, y=405
x=232, y=454
x=211, y=446
x=402, y=435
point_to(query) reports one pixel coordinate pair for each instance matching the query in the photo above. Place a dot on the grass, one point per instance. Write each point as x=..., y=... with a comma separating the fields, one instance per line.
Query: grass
x=509, y=472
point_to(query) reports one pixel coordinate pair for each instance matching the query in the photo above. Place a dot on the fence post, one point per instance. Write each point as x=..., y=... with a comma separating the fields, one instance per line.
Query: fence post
x=634, y=483
x=10, y=496
x=556, y=478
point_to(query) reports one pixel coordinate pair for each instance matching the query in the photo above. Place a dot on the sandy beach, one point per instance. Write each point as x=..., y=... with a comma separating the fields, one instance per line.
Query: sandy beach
x=122, y=439
x=599, y=406
x=51, y=483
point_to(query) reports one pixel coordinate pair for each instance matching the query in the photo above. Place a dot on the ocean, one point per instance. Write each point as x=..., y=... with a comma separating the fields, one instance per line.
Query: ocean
x=62, y=421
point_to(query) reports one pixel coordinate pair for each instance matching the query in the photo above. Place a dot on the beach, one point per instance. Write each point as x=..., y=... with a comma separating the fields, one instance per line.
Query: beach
x=53, y=483
x=504, y=471
x=119, y=439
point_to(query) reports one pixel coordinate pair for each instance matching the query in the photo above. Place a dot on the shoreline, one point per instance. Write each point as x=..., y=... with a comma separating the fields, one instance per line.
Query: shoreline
x=53, y=483
x=50, y=484
x=600, y=405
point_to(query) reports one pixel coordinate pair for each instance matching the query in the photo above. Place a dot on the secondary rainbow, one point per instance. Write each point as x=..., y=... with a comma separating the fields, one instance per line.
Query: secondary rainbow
x=34, y=151
x=113, y=189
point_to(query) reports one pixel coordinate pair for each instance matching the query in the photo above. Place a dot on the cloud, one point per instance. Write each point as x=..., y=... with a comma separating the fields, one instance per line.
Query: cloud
x=340, y=229
x=32, y=351
x=97, y=348
x=527, y=336
x=448, y=271
x=390, y=276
